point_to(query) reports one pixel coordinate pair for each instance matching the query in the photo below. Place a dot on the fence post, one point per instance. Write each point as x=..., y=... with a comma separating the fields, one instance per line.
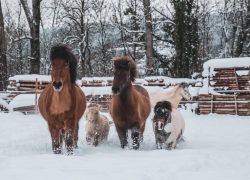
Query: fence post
x=235, y=104
x=36, y=87
x=212, y=104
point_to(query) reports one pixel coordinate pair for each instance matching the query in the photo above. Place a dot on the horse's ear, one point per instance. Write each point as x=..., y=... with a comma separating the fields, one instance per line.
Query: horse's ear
x=183, y=84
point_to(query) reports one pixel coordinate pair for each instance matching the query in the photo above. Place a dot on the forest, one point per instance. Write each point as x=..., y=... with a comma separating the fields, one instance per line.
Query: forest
x=165, y=37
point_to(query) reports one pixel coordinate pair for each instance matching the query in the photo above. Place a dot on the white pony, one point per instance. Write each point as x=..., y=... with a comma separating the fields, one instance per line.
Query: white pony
x=97, y=127
x=173, y=95
x=168, y=125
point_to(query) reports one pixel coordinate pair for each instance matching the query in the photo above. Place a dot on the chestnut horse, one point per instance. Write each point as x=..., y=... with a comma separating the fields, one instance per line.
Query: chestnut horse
x=130, y=105
x=62, y=103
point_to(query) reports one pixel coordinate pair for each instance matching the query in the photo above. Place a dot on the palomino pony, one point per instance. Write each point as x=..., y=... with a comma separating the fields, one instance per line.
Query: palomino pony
x=62, y=103
x=130, y=104
x=174, y=95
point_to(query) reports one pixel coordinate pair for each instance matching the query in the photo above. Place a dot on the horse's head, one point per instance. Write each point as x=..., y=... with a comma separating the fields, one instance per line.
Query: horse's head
x=60, y=74
x=184, y=91
x=93, y=112
x=63, y=66
x=162, y=111
x=124, y=73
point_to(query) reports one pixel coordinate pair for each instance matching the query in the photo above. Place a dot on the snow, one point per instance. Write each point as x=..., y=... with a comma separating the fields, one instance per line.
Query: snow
x=210, y=151
x=23, y=100
x=171, y=81
x=242, y=72
x=97, y=91
x=31, y=77
x=4, y=103
x=224, y=63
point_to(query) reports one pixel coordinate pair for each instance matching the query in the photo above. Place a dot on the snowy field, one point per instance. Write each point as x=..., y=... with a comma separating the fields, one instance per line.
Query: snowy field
x=217, y=147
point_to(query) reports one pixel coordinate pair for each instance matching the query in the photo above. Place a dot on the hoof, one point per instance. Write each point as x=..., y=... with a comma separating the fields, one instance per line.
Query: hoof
x=57, y=151
x=135, y=146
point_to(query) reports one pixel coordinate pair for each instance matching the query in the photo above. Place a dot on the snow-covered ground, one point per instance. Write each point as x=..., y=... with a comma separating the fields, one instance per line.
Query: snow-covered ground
x=216, y=147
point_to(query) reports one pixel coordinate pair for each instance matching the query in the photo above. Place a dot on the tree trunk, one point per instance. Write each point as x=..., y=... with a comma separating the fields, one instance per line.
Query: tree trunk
x=149, y=36
x=3, y=47
x=244, y=34
x=34, y=24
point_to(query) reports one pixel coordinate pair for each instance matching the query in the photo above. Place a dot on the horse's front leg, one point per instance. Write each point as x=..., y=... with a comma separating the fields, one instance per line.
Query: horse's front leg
x=55, y=136
x=123, y=136
x=70, y=136
x=136, y=137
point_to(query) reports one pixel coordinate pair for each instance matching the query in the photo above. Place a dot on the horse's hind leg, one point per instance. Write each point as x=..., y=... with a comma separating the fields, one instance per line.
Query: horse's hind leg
x=136, y=136
x=122, y=133
x=76, y=137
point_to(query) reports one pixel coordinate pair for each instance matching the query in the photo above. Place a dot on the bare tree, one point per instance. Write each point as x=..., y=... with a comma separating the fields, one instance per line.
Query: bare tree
x=149, y=36
x=34, y=20
x=3, y=60
x=76, y=14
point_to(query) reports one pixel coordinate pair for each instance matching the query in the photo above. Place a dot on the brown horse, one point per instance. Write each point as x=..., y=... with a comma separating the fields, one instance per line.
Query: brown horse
x=62, y=103
x=130, y=104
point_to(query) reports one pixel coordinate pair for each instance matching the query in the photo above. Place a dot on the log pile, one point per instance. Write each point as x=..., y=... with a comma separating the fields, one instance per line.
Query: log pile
x=230, y=79
x=225, y=104
x=155, y=81
x=26, y=109
x=232, y=88
x=27, y=85
x=96, y=82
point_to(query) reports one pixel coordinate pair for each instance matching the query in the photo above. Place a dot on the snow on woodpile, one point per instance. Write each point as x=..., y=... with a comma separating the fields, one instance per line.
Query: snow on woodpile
x=167, y=81
x=224, y=63
x=30, y=82
x=226, y=75
x=92, y=81
x=103, y=90
x=30, y=77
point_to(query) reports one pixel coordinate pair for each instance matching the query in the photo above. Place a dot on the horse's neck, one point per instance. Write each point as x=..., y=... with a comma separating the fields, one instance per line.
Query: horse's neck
x=61, y=101
x=127, y=95
x=176, y=97
x=173, y=96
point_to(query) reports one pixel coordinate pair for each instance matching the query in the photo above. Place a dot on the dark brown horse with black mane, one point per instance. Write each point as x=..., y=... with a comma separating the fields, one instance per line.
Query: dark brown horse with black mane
x=130, y=104
x=62, y=103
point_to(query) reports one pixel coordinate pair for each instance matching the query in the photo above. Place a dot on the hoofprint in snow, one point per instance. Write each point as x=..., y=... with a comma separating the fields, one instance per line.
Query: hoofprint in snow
x=215, y=147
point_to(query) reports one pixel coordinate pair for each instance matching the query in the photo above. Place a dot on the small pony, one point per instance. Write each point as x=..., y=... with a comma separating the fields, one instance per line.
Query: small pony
x=62, y=103
x=130, y=105
x=174, y=95
x=97, y=127
x=168, y=125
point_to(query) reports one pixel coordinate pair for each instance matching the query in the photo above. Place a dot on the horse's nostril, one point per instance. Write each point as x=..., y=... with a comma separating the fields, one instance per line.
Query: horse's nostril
x=57, y=84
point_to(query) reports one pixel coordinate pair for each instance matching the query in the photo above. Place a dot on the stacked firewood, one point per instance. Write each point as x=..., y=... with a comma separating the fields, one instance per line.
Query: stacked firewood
x=155, y=82
x=232, y=87
x=229, y=79
x=225, y=104
x=96, y=82
x=27, y=85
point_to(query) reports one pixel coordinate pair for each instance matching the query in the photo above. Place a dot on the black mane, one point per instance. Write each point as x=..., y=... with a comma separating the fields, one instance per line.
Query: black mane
x=62, y=51
x=125, y=63
x=162, y=105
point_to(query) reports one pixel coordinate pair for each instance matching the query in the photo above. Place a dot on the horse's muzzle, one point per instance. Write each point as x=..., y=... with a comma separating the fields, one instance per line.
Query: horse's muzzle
x=57, y=85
